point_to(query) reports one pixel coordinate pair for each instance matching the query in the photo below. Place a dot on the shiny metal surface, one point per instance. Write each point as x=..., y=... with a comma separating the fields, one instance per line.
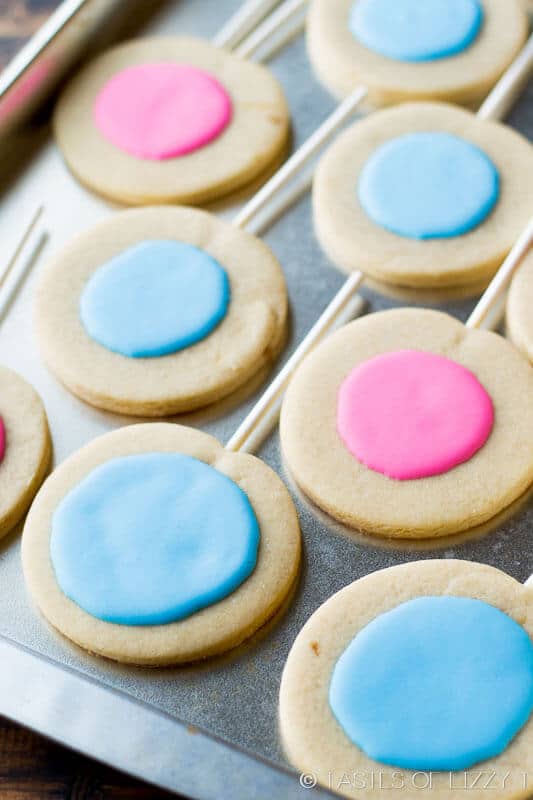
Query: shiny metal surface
x=235, y=697
x=132, y=736
x=36, y=70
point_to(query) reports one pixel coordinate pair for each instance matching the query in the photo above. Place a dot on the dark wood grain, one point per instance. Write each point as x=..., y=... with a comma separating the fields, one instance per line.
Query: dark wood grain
x=33, y=768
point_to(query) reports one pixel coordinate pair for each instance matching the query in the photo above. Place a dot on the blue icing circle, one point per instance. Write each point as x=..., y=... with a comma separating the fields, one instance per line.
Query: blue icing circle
x=150, y=539
x=416, y=30
x=428, y=186
x=155, y=298
x=438, y=683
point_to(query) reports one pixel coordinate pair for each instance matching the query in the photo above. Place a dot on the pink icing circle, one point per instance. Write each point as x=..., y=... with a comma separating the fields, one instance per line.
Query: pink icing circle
x=2, y=439
x=412, y=414
x=159, y=111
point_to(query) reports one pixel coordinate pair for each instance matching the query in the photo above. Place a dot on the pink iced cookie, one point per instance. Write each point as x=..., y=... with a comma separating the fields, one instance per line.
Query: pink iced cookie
x=159, y=111
x=412, y=414
x=2, y=439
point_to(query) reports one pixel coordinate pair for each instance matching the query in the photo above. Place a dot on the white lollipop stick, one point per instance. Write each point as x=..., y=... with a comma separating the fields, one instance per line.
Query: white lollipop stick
x=346, y=304
x=264, y=415
x=250, y=14
x=298, y=160
x=20, y=244
x=502, y=279
x=16, y=266
x=503, y=96
x=285, y=14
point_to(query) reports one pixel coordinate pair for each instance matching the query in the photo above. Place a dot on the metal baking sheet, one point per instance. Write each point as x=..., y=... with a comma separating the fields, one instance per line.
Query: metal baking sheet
x=233, y=698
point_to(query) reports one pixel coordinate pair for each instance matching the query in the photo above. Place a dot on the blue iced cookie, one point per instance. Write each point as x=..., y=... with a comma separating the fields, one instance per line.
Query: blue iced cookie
x=402, y=50
x=159, y=311
x=414, y=678
x=153, y=545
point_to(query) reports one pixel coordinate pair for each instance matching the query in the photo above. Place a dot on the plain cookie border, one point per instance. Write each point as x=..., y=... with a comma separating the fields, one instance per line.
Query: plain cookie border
x=28, y=447
x=520, y=308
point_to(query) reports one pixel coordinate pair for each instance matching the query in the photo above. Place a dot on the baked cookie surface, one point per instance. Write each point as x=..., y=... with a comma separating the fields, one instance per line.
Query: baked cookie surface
x=482, y=483
x=520, y=308
x=25, y=447
x=233, y=145
x=353, y=240
x=217, y=626
x=247, y=336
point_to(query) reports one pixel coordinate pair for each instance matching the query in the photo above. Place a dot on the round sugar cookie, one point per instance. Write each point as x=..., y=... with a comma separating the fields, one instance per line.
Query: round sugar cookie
x=411, y=449
x=317, y=743
x=219, y=308
x=360, y=161
x=25, y=447
x=164, y=120
x=343, y=59
x=520, y=308
x=167, y=559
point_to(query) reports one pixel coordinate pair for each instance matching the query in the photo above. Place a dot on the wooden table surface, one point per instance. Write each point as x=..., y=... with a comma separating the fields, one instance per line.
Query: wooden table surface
x=31, y=767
